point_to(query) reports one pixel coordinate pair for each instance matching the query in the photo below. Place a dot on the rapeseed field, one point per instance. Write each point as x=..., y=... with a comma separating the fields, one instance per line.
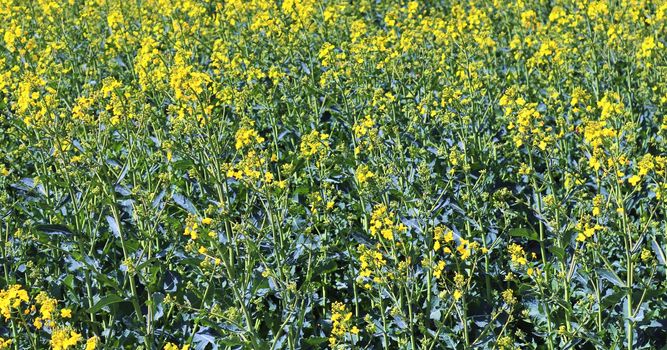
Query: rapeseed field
x=301, y=174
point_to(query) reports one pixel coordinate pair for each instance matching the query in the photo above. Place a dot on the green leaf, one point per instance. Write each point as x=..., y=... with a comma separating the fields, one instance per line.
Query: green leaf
x=314, y=341
x=302, y=190
x=113, y=225
x=327, y=267
x=69, y=281
x=524, y=232
x=611, y=277
x=184, y=203
x=557, y=252
x=54, y=229
x=659, y=252
x=204, y=338
x=435, y=314
x=183, y=164
x=105, y=301
x=232, y=341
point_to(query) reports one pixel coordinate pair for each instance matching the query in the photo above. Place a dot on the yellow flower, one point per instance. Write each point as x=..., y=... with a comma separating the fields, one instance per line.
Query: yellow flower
x=341, y=322
x=459, y=279
x=646, y=255
x=247, y=135
x=457, y=295
x=645, y=164
x=314, y=144
x=508, y=296
x=91, y=343
x=5, y=343
x=12, y=298
x=437, y=271
x=64, y=338
x=634, y=180
x=172, y=346
x=517, y=254
x=191, y=227
x=464, y=249
x=325, y=53
x=363, y=174
x=647, y=47
x=587, y=231
x=388, y=234
x=382, y=222
x=66, y=313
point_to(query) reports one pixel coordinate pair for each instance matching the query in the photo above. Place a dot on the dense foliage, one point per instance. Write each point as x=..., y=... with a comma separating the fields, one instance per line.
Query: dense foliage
x=307, y=174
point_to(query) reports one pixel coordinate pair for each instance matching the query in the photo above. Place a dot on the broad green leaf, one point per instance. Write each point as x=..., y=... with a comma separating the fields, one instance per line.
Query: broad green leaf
x=611, y=277
x=525, y=233
x=105, y=301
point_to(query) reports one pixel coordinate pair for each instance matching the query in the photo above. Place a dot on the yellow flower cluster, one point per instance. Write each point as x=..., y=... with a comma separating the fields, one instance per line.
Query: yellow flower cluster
x=508, y=297
x=172, y=346
x=149, y=66
x=587, y=231
x=610, y=105
x=191, y=227
x=365, y=133
x=363, y=174
x=383, y=223
x=648, y=47
x=91, y=343
x=247, y=135
x=517, y=254
x=598, y=202
x=460, y=285
x=371, y=261
x=64, y=338
x=251, y=166
x=185, y=81
x=441, y=237
x=439, y=269
x=465, y=248
x=315, y=144
x=444, y=239
x=325, y=53
x=527, y=122
x=11, y=298
x=596, y=134
x=646, y=164
x=5, y=343
x=341, y=321
x=47, y=308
